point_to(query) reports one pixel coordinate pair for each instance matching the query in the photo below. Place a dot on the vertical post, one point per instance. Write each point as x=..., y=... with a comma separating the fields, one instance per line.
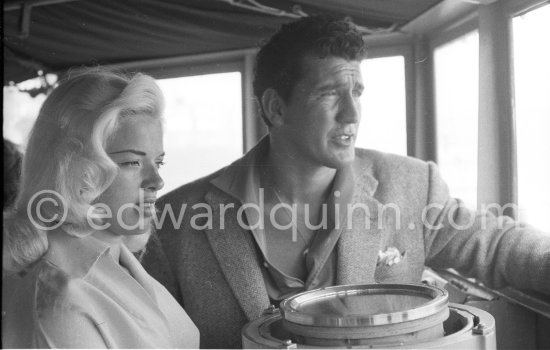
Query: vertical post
x=496, y=138
x=410, y=98
x=253, y=126
x=25, y=21
x=423, y=129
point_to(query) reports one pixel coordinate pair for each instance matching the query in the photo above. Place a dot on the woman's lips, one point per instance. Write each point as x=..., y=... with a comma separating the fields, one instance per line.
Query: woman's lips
x=148, y=207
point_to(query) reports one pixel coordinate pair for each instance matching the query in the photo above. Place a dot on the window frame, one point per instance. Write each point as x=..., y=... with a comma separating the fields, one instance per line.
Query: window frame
x=515, y=9
x=416, y=43
x=497, y=164
x=406, y=51
x=241, y=61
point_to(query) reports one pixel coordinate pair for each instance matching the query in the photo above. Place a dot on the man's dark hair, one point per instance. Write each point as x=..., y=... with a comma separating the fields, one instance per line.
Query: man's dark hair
x=279, y=61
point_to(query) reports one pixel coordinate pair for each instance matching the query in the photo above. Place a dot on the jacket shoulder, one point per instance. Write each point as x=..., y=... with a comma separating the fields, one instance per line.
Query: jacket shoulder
x=35, y=304
x=45, y=291
x=57, y=290
x=398, y=176
x=382, y=162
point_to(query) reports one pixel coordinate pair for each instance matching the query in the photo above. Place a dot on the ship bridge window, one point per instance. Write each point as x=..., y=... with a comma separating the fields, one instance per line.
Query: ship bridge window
x=20, y=108
x=532, y=111
x=383, y=123
x=456, y=73
x=203, y=123
x=203, y=126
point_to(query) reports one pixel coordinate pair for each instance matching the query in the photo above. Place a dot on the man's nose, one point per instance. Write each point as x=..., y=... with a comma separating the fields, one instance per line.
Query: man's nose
x=153, y=180
x=350, y=110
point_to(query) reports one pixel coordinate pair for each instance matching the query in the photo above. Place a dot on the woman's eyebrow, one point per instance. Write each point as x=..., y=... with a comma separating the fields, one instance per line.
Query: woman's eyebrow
x=140, y=153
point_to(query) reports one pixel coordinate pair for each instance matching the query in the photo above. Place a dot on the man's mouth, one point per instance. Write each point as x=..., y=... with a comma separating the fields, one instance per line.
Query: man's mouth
x=345, y=137
x=345, y=140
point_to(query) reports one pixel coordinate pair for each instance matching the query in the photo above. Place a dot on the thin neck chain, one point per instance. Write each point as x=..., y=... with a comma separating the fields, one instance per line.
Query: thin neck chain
x=306, y=241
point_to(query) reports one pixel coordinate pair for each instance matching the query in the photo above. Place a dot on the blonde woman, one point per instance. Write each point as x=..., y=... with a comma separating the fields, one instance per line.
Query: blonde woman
x=90, y=177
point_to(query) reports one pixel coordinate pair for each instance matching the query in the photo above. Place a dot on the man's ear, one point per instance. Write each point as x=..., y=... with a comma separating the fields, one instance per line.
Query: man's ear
x=273, y=106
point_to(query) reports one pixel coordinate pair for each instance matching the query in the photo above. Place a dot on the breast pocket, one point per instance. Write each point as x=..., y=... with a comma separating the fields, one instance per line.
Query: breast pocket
x=395, y=273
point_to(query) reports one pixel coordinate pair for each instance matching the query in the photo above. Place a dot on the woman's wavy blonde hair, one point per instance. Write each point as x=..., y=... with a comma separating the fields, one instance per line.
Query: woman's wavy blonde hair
x=66, y=154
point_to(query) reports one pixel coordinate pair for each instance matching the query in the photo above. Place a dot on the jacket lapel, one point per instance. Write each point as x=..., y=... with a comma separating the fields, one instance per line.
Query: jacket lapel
x=234, y=248
x=360, y=242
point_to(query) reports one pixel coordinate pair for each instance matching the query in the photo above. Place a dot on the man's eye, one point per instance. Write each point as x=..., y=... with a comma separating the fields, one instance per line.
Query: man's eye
x=329, y=93
x=130, y=163
x=160, y=163
x=357, y=92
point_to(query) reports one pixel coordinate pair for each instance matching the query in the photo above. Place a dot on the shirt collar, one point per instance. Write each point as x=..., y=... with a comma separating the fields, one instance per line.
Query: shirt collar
x=242, y=177
x=74, y=255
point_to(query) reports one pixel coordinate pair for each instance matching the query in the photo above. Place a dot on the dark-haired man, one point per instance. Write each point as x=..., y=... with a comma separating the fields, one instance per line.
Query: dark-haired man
x=304, y=209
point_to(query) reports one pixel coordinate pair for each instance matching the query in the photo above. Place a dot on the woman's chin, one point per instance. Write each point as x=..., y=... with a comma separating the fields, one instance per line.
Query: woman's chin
x=137, y=242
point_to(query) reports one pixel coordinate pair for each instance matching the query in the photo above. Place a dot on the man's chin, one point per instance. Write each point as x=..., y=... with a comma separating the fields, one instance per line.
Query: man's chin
x=341, y=163
x=344, y=158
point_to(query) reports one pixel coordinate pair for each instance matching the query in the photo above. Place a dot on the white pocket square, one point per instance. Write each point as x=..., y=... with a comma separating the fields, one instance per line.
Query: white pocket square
x=389, y=257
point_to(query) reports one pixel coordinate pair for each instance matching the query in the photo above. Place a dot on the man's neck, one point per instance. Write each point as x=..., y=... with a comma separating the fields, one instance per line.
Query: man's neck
x=296, y=181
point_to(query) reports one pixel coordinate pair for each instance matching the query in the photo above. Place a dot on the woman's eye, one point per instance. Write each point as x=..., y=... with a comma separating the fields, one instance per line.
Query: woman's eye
x=130, y=163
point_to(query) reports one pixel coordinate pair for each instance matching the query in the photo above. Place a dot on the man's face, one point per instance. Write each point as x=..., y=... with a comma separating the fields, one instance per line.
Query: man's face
x=321, y=117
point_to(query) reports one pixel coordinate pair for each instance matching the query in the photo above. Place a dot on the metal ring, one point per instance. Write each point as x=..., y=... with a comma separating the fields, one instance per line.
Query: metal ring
x=290, y=308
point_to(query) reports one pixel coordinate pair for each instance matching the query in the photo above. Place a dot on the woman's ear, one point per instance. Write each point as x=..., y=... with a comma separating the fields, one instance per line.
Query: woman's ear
x=273, y=106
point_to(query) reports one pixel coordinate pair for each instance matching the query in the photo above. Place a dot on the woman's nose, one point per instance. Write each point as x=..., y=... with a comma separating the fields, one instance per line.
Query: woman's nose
x=153, y=180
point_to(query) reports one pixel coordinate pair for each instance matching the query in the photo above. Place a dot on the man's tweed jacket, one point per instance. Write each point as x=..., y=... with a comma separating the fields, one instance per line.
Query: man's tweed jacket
x=216, y=272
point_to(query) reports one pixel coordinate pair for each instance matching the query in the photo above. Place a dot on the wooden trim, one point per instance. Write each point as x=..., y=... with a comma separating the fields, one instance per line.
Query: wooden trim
x=497, y=174
x=179, y=66
x=17, y=4
x=253, y=126
x=439, y=16
x=424, y=128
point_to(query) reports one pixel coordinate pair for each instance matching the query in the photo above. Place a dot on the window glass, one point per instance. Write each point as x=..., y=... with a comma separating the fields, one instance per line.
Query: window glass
x=532, y=107
x=203, y=123
x=384, y=124
x=203, y=130
x=20, y=109
x=456, y=94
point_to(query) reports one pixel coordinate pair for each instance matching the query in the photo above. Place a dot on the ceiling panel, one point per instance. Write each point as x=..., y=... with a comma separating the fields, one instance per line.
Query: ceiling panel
x=90, y=32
